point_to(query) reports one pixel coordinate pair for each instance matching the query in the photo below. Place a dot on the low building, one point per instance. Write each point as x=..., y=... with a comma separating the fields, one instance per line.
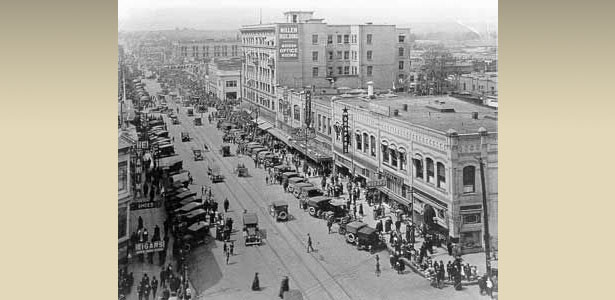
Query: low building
x=223, y=78
x=481, y=84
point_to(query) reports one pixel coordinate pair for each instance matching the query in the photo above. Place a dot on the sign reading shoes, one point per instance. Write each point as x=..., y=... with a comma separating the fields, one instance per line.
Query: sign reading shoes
x=144, y=205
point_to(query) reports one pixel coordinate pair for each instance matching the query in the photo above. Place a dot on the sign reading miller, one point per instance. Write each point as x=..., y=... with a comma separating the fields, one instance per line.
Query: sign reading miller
x=288, y=37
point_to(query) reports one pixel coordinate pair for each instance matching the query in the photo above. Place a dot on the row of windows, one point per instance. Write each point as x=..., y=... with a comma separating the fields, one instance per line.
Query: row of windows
x=343, y=70
x=231, y=83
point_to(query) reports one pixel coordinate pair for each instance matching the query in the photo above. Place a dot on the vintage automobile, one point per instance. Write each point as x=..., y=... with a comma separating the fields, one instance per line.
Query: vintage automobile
x=279, y=210
x=241, y=170
x=194, y=216
x=214, y=174
x=251, y=233
x=317, y=206
x=225, y=150
x=337, y=211
x=297, y=188
x=198, y=154
x=254, y=151
x=294, y=181
x=350, y=230
x=205, y=147
x=282, y=169
x=190, y=112
x=188, y=208
x=309, y=191
x=198, y=122
x=185, y=137
x=196, y=234
x=367, y=239
x=288, y=175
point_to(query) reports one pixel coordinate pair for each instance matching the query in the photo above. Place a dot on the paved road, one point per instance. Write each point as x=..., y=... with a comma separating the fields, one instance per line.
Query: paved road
x=334, y=271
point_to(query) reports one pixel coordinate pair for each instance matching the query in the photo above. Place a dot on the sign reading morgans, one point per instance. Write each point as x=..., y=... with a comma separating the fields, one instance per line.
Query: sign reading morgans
x=288, y=37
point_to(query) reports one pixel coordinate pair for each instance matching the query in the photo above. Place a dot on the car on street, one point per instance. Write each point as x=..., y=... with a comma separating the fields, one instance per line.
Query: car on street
x=293, y=181
x=279, y=210
x=185, y=137
x=250, y=230
x=299, y=187
x=317, y=206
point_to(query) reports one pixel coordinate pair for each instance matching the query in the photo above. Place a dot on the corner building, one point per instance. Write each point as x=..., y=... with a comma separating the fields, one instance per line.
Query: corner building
x=306, y=52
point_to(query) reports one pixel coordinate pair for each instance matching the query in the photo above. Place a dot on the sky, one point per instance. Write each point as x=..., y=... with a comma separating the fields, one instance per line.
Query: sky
x=231, y=14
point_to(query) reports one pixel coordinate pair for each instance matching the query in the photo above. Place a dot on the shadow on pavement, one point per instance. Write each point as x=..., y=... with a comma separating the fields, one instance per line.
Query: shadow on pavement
x=203, y=270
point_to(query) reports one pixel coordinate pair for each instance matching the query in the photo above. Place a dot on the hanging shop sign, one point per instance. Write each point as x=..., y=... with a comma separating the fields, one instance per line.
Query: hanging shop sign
x=377, y=183
x=148, y=247
x=345, y=133
x=144, y=205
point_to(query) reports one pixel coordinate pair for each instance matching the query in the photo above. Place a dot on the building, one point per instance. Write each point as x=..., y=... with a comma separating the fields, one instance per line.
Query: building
x=223, y=78
x=124, y=192
x=427, y=150
x=189, y=51
x=307, y=52
x=484, y=84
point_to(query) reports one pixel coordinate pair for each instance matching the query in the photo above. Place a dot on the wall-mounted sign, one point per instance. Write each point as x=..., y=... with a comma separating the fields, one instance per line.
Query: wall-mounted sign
x=377, y=183
x=288, y=37
x=147, y=247
x=144, y=205
x=345, y=131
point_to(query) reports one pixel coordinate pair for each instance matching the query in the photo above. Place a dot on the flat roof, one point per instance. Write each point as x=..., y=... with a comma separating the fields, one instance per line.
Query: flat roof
x=426, y=111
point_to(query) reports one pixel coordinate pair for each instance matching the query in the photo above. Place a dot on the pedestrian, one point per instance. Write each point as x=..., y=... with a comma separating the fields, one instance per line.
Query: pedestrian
x=255, y=283
x=489, y=285
x=226, y=205
x=232, y=247
x=228, y=255
x=225, y=248
x=140, y=223
x=154, y=285
x=284, y=287
x=145, y=189
x=377, y=266
x=146, y=289
x=163, y=278
x=361, y=209
x=267, y=180
x=140, y=290
x=173, y=139
x=309, y=244
x=329, y=224
x=354, y=211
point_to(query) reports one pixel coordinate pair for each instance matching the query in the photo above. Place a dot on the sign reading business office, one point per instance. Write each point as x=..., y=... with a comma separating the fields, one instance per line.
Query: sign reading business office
x=288, y=37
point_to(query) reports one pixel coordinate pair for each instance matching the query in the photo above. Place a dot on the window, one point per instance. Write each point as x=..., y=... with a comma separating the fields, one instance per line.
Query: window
x=294, y=18
x=340, y=70
x=346, y=39
x=401, y=65
x=369, y=54
x=314, y=55
x=365, y=142
x=346, y=70
x=402, y=159
x=314, y=39
x=330, y=39
x=339, y=38
x=385, y=153
x=430, y=169
x=354, y=55
x=330, y=71
x=369, y=70
x=330, y=55
x=315, y=72
x=441, y=180
x=231, y=83
x=319, y=122
x=402, y=38
x=297, y=112
x=329, y=125
x=369, y=39
x=393, y=157
x=339, y=54
x=372, y=142
x=401, y=51
x=418, y=167
x=471, y=218
x=359, y=143
x=122, y=176
x=346, y=55
x=469, y=174
x=354, y=38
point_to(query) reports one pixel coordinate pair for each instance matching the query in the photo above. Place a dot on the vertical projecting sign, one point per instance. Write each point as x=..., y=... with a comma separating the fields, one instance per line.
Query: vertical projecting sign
x=288, y=37
x=345, y=134
x=308, y=108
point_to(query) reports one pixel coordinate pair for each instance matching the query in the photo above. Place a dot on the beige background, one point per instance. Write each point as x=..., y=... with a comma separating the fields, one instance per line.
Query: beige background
x=58, y=119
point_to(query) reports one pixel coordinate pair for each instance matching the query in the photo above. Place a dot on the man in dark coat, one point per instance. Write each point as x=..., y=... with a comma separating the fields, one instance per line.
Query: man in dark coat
x=154, y=285
x=284, y=287
x=226, y=205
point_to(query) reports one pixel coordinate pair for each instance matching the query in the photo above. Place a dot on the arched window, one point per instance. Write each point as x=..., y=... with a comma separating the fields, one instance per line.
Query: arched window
x=365, y=142
x=418, y=166
x=385, y=151
x=402, y=158
x=372, y=142
x=358, y=138
x=469, y=174
x=441, y=180
x=430, y=169
x=297, y=112
x=393, y=153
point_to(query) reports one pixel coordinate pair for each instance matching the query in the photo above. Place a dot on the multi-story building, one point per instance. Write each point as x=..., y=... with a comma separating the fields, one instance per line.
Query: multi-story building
x=124, y=193
x=223, y=78
x=185, y=51
x=304, y=51
x=429, y=151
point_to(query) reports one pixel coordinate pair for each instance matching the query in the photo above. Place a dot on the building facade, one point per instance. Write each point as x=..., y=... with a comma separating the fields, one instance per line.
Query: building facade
x=223, y=78
x=188, y=51
x=306, y=52
x=479, y=84
x=124, y=194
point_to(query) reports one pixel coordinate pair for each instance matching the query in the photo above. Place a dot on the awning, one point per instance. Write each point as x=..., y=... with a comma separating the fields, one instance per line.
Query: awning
x=281, y=135
x=265, y=125
x=394, y=196
x=312, y=151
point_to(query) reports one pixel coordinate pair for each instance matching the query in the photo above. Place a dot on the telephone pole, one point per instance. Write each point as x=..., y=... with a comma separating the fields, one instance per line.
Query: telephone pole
x=485, y=219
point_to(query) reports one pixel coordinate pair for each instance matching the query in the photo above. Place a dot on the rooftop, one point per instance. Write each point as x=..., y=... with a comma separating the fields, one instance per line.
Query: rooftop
x=439, y=112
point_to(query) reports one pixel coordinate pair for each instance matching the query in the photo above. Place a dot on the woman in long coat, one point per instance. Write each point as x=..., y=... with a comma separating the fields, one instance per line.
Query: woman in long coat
x=255, y=283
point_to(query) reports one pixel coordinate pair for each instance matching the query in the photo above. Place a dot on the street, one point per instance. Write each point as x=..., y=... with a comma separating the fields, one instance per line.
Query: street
x=335, y=270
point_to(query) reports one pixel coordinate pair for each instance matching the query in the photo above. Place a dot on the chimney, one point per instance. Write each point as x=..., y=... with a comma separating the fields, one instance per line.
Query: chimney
x=370, y=89
x=475, y=115
x=396, y=112
x=405, y=107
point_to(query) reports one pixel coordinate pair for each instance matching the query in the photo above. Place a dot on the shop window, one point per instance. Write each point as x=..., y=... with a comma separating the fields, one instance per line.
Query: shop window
x=418, y=167
x=358, y=138
x=393, y=157
x=471, y=218
x=441, y=175
x=430, y=169
x=469, y=174
x=372, y=142
x=122, y=176
x=471, y=239
x=365, y=142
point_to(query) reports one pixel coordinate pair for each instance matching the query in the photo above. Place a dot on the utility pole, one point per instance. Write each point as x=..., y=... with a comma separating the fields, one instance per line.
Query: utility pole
x=485, y=218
